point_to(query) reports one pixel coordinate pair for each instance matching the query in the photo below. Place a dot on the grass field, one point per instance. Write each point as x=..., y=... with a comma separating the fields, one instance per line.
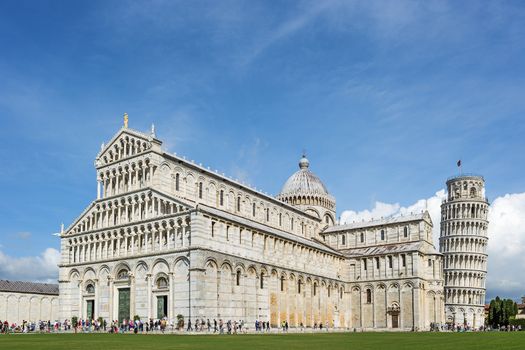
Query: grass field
x=334, y=341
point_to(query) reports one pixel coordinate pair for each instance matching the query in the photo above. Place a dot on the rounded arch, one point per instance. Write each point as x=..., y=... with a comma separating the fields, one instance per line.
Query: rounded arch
x=103, y=270
x=228, y=263
x=408, y=285
x=393, y=286
x=368, y=286
x=141, y=264
x=165, y=167
x=179, y=169
x=381, y=286
x=227, y=266
x=161, y=280
x=89, y=287
x=158, y=263
x=264, y=270
x=212, y=262
x=120, y=266
x=87, y=271
x=74, y=274
x=181, y=260
x=330, y=217
x=313, y=212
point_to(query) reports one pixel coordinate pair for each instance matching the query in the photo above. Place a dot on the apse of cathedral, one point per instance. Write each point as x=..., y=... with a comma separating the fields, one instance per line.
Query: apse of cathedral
x=166, y=237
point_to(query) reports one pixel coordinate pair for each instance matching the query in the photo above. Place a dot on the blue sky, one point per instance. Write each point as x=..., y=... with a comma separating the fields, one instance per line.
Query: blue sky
x=385, y=96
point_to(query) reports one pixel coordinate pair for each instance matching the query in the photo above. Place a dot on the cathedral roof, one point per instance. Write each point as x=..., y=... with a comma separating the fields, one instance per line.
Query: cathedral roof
x=28, y=287
x=419, y=246
x=265, y=228
x=380, y=222
x=303, y=182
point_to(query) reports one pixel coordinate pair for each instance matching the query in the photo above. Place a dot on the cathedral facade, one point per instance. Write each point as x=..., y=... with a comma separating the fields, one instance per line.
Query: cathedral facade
x=168, y=237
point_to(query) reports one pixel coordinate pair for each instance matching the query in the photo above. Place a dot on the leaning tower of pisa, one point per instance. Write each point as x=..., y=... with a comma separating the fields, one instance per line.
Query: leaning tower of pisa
x=463, y=242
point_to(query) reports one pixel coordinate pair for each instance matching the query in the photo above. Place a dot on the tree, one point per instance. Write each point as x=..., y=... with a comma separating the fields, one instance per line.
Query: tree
x=500, y=311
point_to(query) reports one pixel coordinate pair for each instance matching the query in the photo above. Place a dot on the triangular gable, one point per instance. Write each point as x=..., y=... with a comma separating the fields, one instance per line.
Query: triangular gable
x=426, y=217
x=126, y=143
x=94, y=206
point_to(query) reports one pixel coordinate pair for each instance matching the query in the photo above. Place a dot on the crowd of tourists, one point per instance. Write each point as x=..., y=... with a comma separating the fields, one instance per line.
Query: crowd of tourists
x=197, y=326
x=40, y=326
x=214, y=326
x=508, y=328
x=467, y=328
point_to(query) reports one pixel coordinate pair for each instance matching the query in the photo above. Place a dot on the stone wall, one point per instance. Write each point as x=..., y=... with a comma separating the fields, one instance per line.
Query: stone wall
x=17, y=307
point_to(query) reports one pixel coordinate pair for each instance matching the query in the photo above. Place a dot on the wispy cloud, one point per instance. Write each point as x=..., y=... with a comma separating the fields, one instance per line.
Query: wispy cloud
x=285, y=29
x=23, y=235
x=247, y=160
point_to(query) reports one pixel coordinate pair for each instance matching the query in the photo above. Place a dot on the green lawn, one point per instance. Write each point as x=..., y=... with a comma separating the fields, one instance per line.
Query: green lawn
x=334, y=341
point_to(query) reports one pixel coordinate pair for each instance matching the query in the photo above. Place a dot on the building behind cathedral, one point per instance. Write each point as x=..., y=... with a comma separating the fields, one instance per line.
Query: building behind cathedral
x=166, y=236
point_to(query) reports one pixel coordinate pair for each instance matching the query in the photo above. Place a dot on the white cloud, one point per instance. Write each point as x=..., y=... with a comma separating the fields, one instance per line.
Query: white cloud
x=381, y=209
x=506, y=246
x=41, y=268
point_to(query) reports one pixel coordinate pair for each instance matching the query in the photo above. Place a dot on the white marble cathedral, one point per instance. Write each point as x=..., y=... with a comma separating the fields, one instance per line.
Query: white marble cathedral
x=166, y=236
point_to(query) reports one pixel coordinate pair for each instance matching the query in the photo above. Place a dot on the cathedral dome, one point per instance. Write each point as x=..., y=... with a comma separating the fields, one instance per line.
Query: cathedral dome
x=306, y=191
x=303, y=182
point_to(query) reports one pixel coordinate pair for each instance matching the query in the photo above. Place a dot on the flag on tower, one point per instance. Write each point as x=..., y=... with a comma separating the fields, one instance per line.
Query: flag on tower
x=459, y=163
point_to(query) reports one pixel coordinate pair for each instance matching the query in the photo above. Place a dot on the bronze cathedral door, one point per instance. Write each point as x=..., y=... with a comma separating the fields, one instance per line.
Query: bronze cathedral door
x=90, y=305
x=162, y=306
x=123, y=304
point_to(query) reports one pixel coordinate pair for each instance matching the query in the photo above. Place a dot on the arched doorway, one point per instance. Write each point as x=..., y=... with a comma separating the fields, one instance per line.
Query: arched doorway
x=394, y=311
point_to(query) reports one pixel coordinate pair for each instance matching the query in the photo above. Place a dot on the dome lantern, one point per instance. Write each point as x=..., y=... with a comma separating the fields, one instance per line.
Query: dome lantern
x=304, y=163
